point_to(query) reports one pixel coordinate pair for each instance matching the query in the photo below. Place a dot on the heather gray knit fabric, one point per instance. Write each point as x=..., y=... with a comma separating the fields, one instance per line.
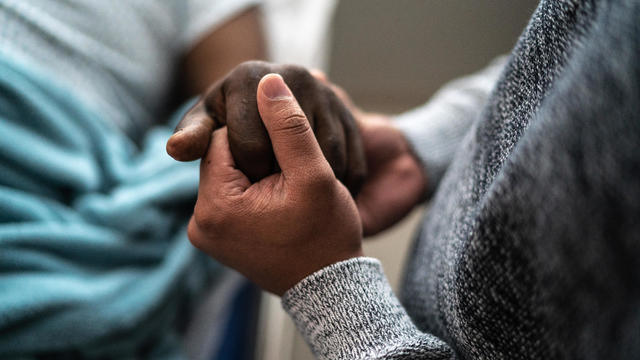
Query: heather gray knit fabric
x=531, y=249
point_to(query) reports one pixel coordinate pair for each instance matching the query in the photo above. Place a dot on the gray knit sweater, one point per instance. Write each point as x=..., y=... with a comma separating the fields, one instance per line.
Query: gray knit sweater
x=531, y=249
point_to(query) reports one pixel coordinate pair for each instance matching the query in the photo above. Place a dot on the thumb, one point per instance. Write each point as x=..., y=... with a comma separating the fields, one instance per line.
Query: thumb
x=294, y=144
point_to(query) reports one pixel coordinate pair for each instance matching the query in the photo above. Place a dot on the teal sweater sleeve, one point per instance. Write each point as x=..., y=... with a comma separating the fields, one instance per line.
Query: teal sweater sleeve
x=94, y=259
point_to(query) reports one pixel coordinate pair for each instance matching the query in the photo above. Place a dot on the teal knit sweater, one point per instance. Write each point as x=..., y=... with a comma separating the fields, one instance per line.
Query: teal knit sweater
x=94, y=259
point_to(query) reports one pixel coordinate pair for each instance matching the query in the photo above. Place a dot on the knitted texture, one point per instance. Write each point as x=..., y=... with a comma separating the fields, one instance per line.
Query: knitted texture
x=119, y=57
x=530, y=249
x=349, y=287
x=94, y=257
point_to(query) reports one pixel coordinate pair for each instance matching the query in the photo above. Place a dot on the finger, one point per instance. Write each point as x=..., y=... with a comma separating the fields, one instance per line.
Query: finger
x=369, y=227
x=248, y=138
x=294, y=144
x=356, y=162
x=330, y=134
x=218, y=170
x=193, y=133
x=368, y=201
x=319, y=75
x=346, y=100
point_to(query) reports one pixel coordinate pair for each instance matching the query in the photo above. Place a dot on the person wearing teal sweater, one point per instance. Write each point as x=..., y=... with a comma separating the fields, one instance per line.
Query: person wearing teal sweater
x=94, y=261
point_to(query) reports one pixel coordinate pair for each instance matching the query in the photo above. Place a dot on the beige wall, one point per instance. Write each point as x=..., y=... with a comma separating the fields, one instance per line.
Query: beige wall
x=393, y=54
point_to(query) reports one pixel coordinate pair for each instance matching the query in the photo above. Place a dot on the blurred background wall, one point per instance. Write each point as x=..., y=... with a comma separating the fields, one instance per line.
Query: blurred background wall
x=392, y=56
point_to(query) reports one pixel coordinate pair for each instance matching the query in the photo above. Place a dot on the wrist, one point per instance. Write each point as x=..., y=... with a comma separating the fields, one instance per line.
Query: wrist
x=415, y=166
x=301, y=271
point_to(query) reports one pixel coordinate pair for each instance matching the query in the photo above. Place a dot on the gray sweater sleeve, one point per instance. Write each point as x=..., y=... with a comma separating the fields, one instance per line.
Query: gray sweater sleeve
x=436, y=129
x=348, y=311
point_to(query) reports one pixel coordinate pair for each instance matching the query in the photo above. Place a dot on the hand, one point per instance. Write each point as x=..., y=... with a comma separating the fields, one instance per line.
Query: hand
x=286, y=226
x=232, y=102
x=396, y=182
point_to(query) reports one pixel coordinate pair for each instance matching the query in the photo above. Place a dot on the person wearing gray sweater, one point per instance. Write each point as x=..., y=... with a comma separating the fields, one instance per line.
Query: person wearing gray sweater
x=531, y=248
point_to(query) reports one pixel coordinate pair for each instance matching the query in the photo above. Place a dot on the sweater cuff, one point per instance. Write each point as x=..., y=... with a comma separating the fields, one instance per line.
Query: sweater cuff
x=348, y=311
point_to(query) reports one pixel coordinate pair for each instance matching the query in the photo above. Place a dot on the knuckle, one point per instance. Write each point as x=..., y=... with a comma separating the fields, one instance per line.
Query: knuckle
x=208, y=221
x=248, y=72
x=292, y=122
x=295, y=70
x=333, y=145
x=298, y=73
x=250, y=147
x=322, y=181
x=194, y=235
x=251, y=65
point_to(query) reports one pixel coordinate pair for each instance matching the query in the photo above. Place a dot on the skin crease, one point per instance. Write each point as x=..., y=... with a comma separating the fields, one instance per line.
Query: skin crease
x=231, y=102
x=287, y=225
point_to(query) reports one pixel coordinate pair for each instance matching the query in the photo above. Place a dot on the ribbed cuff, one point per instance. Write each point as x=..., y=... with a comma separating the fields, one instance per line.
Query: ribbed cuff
x=348, y=311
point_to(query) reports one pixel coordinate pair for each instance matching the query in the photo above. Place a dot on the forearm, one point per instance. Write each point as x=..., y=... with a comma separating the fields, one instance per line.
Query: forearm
x=436, y=129
x=348, y=311
x=237, y=40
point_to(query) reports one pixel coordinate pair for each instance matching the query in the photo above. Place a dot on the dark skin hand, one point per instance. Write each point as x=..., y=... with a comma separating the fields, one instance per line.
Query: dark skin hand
x=286, y=226
x=395, y=181
x=231, y=102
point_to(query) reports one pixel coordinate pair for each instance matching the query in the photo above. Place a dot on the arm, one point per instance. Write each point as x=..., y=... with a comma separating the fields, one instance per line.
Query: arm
x=435, y=129
x=287, y=226
x=407, y=157
x=237, y=40
x=348, y=311
x=90, y=229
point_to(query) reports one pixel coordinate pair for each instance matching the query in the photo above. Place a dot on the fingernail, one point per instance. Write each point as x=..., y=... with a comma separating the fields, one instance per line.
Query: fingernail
x=274, y=87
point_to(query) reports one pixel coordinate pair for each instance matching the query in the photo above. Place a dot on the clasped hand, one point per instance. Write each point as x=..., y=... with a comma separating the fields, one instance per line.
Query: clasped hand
x=287, y=225
x=231, y=102
x=271, y=200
